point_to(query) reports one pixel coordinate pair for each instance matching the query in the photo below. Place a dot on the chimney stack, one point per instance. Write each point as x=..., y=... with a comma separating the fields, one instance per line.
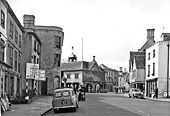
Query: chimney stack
x=150, y=34
x=120, y=69
x=29, y=21
x=93, y=58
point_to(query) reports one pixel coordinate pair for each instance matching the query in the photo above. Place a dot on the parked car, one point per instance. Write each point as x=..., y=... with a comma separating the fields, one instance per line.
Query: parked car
x=135, y=93
x=103, y=91
x=65, y=98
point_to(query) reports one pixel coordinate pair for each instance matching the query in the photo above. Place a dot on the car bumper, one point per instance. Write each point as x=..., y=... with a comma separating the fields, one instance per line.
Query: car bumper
x=60, y=107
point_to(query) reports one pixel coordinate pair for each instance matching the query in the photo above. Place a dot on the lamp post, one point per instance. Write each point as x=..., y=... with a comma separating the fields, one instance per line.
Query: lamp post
x=168, y=72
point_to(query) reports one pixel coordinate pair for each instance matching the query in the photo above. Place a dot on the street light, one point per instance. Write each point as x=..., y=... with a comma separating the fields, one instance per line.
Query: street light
x=168, y=72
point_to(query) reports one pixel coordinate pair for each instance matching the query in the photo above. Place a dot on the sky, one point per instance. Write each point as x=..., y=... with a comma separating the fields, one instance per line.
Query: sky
x=108, y=29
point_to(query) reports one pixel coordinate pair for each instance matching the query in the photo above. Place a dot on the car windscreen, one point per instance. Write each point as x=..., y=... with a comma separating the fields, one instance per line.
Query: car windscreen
x=136, y=90
x=66, y=93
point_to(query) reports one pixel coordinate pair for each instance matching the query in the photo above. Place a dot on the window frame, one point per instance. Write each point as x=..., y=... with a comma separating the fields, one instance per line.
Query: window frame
x=76, y=75
x=11, y=30
x=57, y=42
x=149, y=55
x=2, y=19
x=148, y=70
x=15, y=60
x=154, y=53
x=68, y=76
x=16, y=36
x=153, y=74
x=2, y=51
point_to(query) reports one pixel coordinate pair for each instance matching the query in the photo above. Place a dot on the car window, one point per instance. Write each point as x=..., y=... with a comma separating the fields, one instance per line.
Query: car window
x=136, y=90
x=66, y=93
x=58, y=94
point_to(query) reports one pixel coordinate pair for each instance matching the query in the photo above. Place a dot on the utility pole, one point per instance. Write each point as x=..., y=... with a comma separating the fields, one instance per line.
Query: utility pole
x=82, y=49
x=168, y=72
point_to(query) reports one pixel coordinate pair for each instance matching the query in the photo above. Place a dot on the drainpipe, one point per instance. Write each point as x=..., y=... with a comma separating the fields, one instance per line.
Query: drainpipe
x=168, y=72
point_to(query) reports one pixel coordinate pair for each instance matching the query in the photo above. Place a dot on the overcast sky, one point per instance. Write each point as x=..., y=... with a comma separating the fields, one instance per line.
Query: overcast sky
x=110, y=28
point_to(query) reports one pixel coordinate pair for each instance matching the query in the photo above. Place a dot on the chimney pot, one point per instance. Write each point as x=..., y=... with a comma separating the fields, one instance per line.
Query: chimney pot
x=93, y=58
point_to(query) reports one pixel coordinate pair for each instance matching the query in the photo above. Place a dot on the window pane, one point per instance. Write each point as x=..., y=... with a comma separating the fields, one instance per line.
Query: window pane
x=66, y=93
x=2, y=19
x=58, y=94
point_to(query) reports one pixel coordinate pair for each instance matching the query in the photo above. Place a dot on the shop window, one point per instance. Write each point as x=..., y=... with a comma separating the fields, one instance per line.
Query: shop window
x=68, y=76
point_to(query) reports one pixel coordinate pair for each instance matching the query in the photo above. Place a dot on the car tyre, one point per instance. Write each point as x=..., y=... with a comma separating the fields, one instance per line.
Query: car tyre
x=55, y=110
x=74, y=109
x=129, y=96
x=77, y=106
x=133, y=96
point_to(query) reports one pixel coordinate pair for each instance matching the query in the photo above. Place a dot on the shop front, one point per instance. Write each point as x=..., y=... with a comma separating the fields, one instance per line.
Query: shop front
x=150, y=87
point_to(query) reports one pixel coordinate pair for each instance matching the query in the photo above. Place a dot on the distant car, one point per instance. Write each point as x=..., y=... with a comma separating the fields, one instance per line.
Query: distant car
x=135, y=93
x=103, y=91
x=65, y=98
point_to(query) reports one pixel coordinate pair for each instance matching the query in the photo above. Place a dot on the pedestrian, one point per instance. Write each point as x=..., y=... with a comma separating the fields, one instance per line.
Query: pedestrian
x=156, y=93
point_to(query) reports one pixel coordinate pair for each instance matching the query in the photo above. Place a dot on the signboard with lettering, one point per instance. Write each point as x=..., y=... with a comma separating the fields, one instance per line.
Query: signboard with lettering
x=41, y=76
x=32, y=71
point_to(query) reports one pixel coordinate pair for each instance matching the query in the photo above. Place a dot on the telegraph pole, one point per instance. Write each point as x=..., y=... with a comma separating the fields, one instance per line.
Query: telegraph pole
x=82, y=49
x=168, y=72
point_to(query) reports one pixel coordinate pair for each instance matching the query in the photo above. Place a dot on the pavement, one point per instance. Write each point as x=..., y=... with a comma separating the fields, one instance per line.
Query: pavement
x=161, y=99
x=39, y=106
x=42, y=104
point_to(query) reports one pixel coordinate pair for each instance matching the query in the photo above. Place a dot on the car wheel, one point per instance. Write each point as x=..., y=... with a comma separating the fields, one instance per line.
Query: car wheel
x=55, y=110
x=74, y=109
x=129, y=96
x=133, y=96
x=77, y=106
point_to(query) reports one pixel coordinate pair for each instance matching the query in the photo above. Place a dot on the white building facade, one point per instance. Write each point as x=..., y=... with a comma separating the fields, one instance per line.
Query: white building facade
x=156, y=69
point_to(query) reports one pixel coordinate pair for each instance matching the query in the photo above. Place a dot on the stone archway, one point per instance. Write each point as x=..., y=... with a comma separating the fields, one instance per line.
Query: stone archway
x=89, y=87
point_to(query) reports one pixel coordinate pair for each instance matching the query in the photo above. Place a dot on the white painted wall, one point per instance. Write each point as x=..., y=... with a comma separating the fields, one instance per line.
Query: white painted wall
x=160, y=60
x=72, y=77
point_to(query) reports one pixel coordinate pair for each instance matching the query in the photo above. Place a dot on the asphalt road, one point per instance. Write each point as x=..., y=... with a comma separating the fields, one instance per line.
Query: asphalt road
x=107, y=104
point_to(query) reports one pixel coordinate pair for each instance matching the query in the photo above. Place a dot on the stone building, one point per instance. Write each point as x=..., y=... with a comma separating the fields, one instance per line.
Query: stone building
x=82, y=73
x=110, y=77
x=137, y=62
x=4, y=67
x=51, y=49
x=31, y=55
x=14, y=45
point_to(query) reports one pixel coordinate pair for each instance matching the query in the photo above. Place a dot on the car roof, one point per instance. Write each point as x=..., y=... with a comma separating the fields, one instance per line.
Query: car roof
x=64, y=89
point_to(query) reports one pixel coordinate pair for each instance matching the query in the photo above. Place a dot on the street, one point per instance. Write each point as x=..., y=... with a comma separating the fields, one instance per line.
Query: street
x=111, y=104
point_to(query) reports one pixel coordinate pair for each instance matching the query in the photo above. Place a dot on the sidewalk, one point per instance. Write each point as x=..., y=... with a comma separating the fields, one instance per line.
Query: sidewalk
x=39, y=105
x=149, y=98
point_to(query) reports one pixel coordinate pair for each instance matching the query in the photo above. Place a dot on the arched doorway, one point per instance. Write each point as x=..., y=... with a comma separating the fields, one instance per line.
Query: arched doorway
x=89, y=87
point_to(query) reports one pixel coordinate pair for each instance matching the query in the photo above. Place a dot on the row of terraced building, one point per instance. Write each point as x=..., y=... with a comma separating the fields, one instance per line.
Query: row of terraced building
x=21, y=45
x=149, y=66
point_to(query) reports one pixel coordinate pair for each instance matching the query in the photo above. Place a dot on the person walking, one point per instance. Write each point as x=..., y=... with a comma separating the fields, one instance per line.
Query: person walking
x=156, y=93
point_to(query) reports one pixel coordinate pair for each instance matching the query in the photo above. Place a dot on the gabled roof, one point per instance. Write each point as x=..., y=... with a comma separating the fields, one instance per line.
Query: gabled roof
x=80, y=65
x=131, y=61
x=166, y=36
x=133, y=53
x=148, y=43
x=139, y=61
x=72, y=66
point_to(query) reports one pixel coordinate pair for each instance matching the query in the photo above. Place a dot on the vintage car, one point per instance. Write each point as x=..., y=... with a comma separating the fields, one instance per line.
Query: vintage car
x=135, y=93
x=65, y=98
